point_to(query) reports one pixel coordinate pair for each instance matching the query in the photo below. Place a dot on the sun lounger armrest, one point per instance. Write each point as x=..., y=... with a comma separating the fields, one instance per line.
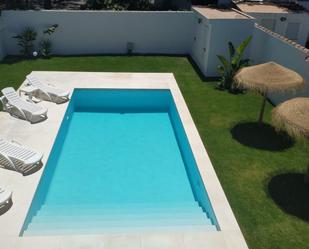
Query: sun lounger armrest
x=35, y=159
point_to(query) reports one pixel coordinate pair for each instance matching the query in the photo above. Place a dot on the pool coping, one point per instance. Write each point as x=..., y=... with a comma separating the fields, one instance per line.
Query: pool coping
x=24, y=187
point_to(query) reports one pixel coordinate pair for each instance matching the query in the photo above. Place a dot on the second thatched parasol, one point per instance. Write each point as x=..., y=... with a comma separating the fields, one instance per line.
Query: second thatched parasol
x=268, y=78
x=292, y=116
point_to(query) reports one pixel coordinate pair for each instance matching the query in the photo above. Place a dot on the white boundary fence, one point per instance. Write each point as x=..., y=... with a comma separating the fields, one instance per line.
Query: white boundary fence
x=105, y=32
x=155, y=32
x=2, y=36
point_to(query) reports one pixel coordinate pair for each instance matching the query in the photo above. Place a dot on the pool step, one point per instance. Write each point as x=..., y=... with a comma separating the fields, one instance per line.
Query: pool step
x=90, y=219
x=49, y=231
x=81, y=209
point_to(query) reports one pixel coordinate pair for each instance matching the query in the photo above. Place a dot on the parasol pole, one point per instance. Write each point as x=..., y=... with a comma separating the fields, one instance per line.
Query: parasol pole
x=264, y=95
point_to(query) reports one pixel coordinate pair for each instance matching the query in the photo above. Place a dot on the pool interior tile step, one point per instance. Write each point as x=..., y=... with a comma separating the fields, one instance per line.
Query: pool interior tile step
x=130, y=209
x=127, y=205
x=116, y=230
x=89, y=219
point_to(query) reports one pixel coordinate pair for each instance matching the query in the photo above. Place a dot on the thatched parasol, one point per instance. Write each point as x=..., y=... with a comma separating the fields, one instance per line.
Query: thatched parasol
x=268, y=78
x=293, y=117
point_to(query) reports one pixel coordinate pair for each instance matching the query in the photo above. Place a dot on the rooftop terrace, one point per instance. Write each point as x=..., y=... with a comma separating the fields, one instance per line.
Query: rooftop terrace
x=213, y=13
x=264, y=8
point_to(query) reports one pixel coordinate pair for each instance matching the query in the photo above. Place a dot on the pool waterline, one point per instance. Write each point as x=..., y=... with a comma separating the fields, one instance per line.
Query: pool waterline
x=152, y=111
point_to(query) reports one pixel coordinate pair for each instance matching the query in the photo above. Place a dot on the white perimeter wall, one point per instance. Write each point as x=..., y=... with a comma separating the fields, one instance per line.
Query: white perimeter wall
x=224, y=31
x=211, y=37
x=281, y=27
x=266, y=48
x=2, y=36
x=105, y=32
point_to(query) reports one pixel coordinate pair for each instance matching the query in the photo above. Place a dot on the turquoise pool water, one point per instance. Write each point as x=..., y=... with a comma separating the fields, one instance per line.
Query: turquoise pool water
x=121, y=161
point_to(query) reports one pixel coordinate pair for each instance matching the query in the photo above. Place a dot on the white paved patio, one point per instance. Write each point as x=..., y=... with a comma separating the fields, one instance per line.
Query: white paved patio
x=41, y=137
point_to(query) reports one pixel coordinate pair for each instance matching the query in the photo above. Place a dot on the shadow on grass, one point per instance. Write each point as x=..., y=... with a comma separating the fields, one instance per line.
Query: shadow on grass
x=199, y=72
x=11, y=60
x=263, y=137
x=291, y=194
x=231, y=91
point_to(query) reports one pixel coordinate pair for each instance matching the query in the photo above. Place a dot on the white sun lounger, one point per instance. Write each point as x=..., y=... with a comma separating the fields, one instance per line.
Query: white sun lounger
x=16, y=106
x=16, y=157
x=48, y=92
x=5, y=196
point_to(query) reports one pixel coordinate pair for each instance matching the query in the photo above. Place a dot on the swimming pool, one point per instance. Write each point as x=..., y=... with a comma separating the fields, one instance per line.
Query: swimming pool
x=121, y=162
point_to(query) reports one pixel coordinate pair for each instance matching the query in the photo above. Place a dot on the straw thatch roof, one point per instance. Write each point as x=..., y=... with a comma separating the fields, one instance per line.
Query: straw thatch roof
x=268, y=77
x=293, y=117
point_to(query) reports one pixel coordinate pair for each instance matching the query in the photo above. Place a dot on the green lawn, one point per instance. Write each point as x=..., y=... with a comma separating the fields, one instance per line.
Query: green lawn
x=245, y=157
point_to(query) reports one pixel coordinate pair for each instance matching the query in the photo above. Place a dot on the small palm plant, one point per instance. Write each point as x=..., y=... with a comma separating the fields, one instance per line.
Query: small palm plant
x=46, y=45
x=25, y=40
x=45, y=48
x=230, y=66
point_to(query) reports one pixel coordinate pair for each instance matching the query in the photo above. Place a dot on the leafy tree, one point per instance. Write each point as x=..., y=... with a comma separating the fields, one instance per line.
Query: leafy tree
x=119, y=4
x=47, y=4
x=204, y=2
x=16, y=4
